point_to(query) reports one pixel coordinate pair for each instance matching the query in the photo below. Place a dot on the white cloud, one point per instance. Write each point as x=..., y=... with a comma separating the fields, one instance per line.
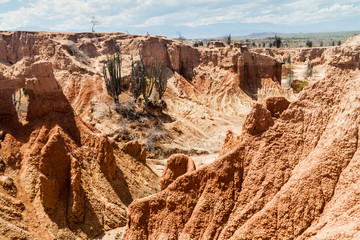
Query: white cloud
x=70, y=15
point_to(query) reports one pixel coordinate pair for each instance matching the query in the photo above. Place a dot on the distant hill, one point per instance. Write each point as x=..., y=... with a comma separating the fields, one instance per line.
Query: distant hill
x=265, y=35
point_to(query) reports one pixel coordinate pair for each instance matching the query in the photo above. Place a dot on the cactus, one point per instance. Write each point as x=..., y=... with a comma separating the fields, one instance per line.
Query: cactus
x=147, y=86
x=138, y=74
x=160, y=81
x=144, y=79
x=112, y=76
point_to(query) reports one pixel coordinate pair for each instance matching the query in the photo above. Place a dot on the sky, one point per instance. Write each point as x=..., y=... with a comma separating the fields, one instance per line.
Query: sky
x=188, y=18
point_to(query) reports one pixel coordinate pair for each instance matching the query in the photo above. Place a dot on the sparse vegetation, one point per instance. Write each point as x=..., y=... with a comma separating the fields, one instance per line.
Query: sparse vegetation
x=181, y=38
x=198, y=43
x=300, y=85
x=290, y=74
x=277, y=41
x=20, y=100
x=309, y=70
x=138, y=74
x=157, y=71
x=309, y=43
x=295, y=40
x=227, y=39
x=94, y=21
x=143, y=81
x=79, y=55
x=112, y=76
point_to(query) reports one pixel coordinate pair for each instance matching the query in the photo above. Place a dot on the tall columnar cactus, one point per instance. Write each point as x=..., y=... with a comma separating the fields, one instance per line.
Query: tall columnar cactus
x=112, y=76
x=143, y=80
x=147, y=86
x=138, y=74
x=157, y=74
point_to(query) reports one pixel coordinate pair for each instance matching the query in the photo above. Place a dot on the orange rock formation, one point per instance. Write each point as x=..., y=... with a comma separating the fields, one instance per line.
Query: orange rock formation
x=292, y=175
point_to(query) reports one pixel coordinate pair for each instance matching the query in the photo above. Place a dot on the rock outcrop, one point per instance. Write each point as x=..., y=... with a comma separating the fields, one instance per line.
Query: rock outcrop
x=291, y=176
x=68, y=179
x=63, y=172
x=296, y=55
x=176, y=166
x=225, y=79
x=136, y=150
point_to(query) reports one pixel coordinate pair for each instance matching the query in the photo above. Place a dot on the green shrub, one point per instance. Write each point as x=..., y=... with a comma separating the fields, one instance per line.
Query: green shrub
x=309, y=43
x=301, y=85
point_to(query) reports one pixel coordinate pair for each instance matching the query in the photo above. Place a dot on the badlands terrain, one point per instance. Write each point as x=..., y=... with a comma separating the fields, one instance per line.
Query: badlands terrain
x=253, y=144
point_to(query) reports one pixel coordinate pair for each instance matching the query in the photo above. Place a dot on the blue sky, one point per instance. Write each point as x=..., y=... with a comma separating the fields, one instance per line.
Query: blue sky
x=190, y=18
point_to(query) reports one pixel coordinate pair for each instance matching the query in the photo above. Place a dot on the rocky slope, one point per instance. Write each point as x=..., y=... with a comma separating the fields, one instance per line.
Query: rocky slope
x=292, y=175
x=61, y=176
x=210, y=90
x=297, y=55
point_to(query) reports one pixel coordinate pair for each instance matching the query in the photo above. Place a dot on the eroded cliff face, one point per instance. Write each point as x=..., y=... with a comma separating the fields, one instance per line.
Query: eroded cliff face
x=209, y=89
x=60, y=174
x=297, y=55
x=63, y=178
x=292, y=174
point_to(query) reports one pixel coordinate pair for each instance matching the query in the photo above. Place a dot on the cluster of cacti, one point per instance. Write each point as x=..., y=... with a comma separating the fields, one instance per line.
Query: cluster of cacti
x=138, y=74
x=112, y=76
x=143, y=80
x=157, y=75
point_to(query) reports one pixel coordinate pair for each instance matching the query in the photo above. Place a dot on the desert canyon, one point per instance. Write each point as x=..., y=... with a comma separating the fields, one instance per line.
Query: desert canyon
x=238, y=153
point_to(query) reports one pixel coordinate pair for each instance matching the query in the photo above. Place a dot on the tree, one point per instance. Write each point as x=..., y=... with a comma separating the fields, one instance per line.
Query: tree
x=339, y=43
x=181, y=38
x=277, y=41
x=321, y=43
x=309, y=43
x=227, y=39
x=94, y=21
